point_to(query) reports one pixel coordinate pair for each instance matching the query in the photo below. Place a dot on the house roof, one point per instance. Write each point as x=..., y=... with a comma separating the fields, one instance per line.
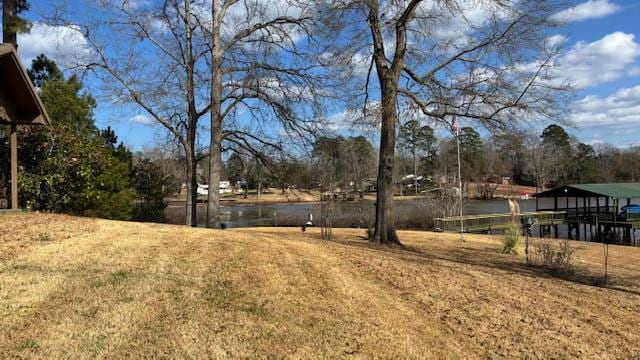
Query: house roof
x=19, y=101
x=612, y=190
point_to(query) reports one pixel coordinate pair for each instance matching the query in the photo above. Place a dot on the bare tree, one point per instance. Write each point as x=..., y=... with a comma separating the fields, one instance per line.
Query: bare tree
x=478, y=61
x=243, y=64
x=536, y=160
x=261, y=73
x=149, y=57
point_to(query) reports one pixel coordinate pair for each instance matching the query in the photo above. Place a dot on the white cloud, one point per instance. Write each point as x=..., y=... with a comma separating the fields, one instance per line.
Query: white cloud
x=619, y=109
x=555, y=40
x=141, y=119
x=604, y=60
x=63, y=44
x=591, y=9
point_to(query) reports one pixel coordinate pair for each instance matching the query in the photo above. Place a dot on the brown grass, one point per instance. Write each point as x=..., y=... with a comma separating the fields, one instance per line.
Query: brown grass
x=96, y=288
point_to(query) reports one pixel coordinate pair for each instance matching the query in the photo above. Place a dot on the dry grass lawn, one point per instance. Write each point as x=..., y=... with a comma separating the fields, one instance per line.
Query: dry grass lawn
x=85, y=288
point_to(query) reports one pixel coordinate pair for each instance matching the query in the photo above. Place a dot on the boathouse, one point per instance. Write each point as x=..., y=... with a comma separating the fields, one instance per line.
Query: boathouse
x=594, y=211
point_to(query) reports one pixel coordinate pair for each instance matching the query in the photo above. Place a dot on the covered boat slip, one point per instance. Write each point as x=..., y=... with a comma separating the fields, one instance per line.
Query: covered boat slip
x=593, y=211
x=590, y=212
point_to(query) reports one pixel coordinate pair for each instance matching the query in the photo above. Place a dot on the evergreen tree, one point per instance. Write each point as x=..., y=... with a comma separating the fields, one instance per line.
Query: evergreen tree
x=472, y=157
x=152, y=186
x=420, y=142
x=557, y=152
x=43, y=69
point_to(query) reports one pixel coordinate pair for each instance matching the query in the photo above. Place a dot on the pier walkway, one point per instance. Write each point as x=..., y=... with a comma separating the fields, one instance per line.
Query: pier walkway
x=491, y=222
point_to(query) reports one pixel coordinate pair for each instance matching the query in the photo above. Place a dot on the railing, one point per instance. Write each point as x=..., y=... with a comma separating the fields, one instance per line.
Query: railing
x=476, y=223
x=585, y=211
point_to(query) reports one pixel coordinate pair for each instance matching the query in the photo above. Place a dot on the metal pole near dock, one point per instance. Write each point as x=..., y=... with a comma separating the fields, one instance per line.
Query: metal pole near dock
x=456, y=130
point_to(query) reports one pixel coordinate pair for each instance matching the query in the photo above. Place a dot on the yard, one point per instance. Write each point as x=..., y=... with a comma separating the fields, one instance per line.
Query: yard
x=86, y=288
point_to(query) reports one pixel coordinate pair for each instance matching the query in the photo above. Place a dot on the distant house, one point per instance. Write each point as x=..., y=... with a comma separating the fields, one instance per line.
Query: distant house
x=370, y=185
x=225, y=188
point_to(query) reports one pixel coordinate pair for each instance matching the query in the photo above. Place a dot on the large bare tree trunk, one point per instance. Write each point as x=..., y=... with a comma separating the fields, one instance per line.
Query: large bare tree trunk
x=388, y=76
x=215, y=145
x=192, y=190
x=385, y=230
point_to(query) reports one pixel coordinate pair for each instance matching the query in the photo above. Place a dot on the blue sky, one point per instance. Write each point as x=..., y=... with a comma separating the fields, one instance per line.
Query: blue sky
x=601, y=55
x=613, y=114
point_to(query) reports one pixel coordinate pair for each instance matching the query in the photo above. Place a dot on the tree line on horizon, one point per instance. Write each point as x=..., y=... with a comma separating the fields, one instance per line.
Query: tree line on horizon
x=550, y=158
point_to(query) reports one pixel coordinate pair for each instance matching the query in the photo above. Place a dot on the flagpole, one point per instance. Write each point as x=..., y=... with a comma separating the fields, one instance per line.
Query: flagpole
x=456, y=130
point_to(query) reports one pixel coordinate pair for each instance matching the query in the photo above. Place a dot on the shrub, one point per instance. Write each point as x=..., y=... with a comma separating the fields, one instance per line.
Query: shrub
x=554, y=258
x=152, y=185
x=511, y=239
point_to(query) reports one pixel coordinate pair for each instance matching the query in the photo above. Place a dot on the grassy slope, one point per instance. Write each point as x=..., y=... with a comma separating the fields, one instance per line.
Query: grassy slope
x=86, y=288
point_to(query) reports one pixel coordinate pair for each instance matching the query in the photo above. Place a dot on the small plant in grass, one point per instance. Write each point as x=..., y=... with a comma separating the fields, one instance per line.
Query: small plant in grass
x=511, y=236
x=28, y=344
x=44, y=237
x=511, y=239
x=554, y=258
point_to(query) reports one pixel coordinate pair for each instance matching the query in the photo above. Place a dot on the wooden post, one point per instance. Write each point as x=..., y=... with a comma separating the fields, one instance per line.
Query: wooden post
x=14, y=166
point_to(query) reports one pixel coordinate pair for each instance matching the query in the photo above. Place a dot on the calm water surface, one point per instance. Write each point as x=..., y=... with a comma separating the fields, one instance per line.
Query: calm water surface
x=359, y=213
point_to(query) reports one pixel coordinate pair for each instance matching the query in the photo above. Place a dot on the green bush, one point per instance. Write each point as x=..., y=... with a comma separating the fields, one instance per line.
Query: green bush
x=511, y=239
x=152, y=186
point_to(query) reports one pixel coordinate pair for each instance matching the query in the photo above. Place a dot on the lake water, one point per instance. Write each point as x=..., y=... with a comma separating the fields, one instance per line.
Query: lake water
x=356, y=213
x=410, y=214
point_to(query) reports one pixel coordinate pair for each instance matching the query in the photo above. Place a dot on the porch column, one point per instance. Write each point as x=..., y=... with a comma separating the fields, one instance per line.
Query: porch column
x=14, y=167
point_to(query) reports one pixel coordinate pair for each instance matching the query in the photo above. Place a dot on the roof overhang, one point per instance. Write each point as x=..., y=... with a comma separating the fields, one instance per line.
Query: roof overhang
x=612, y=190
x=19, y=101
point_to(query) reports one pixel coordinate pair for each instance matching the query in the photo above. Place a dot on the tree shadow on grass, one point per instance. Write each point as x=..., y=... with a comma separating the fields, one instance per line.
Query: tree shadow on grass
x=491, y=261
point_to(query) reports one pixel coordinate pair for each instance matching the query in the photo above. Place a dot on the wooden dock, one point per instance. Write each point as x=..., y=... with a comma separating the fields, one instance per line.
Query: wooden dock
x=490, y=222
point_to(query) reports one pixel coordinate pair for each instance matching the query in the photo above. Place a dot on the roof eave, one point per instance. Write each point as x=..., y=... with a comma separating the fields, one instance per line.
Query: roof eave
x=43, y=117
